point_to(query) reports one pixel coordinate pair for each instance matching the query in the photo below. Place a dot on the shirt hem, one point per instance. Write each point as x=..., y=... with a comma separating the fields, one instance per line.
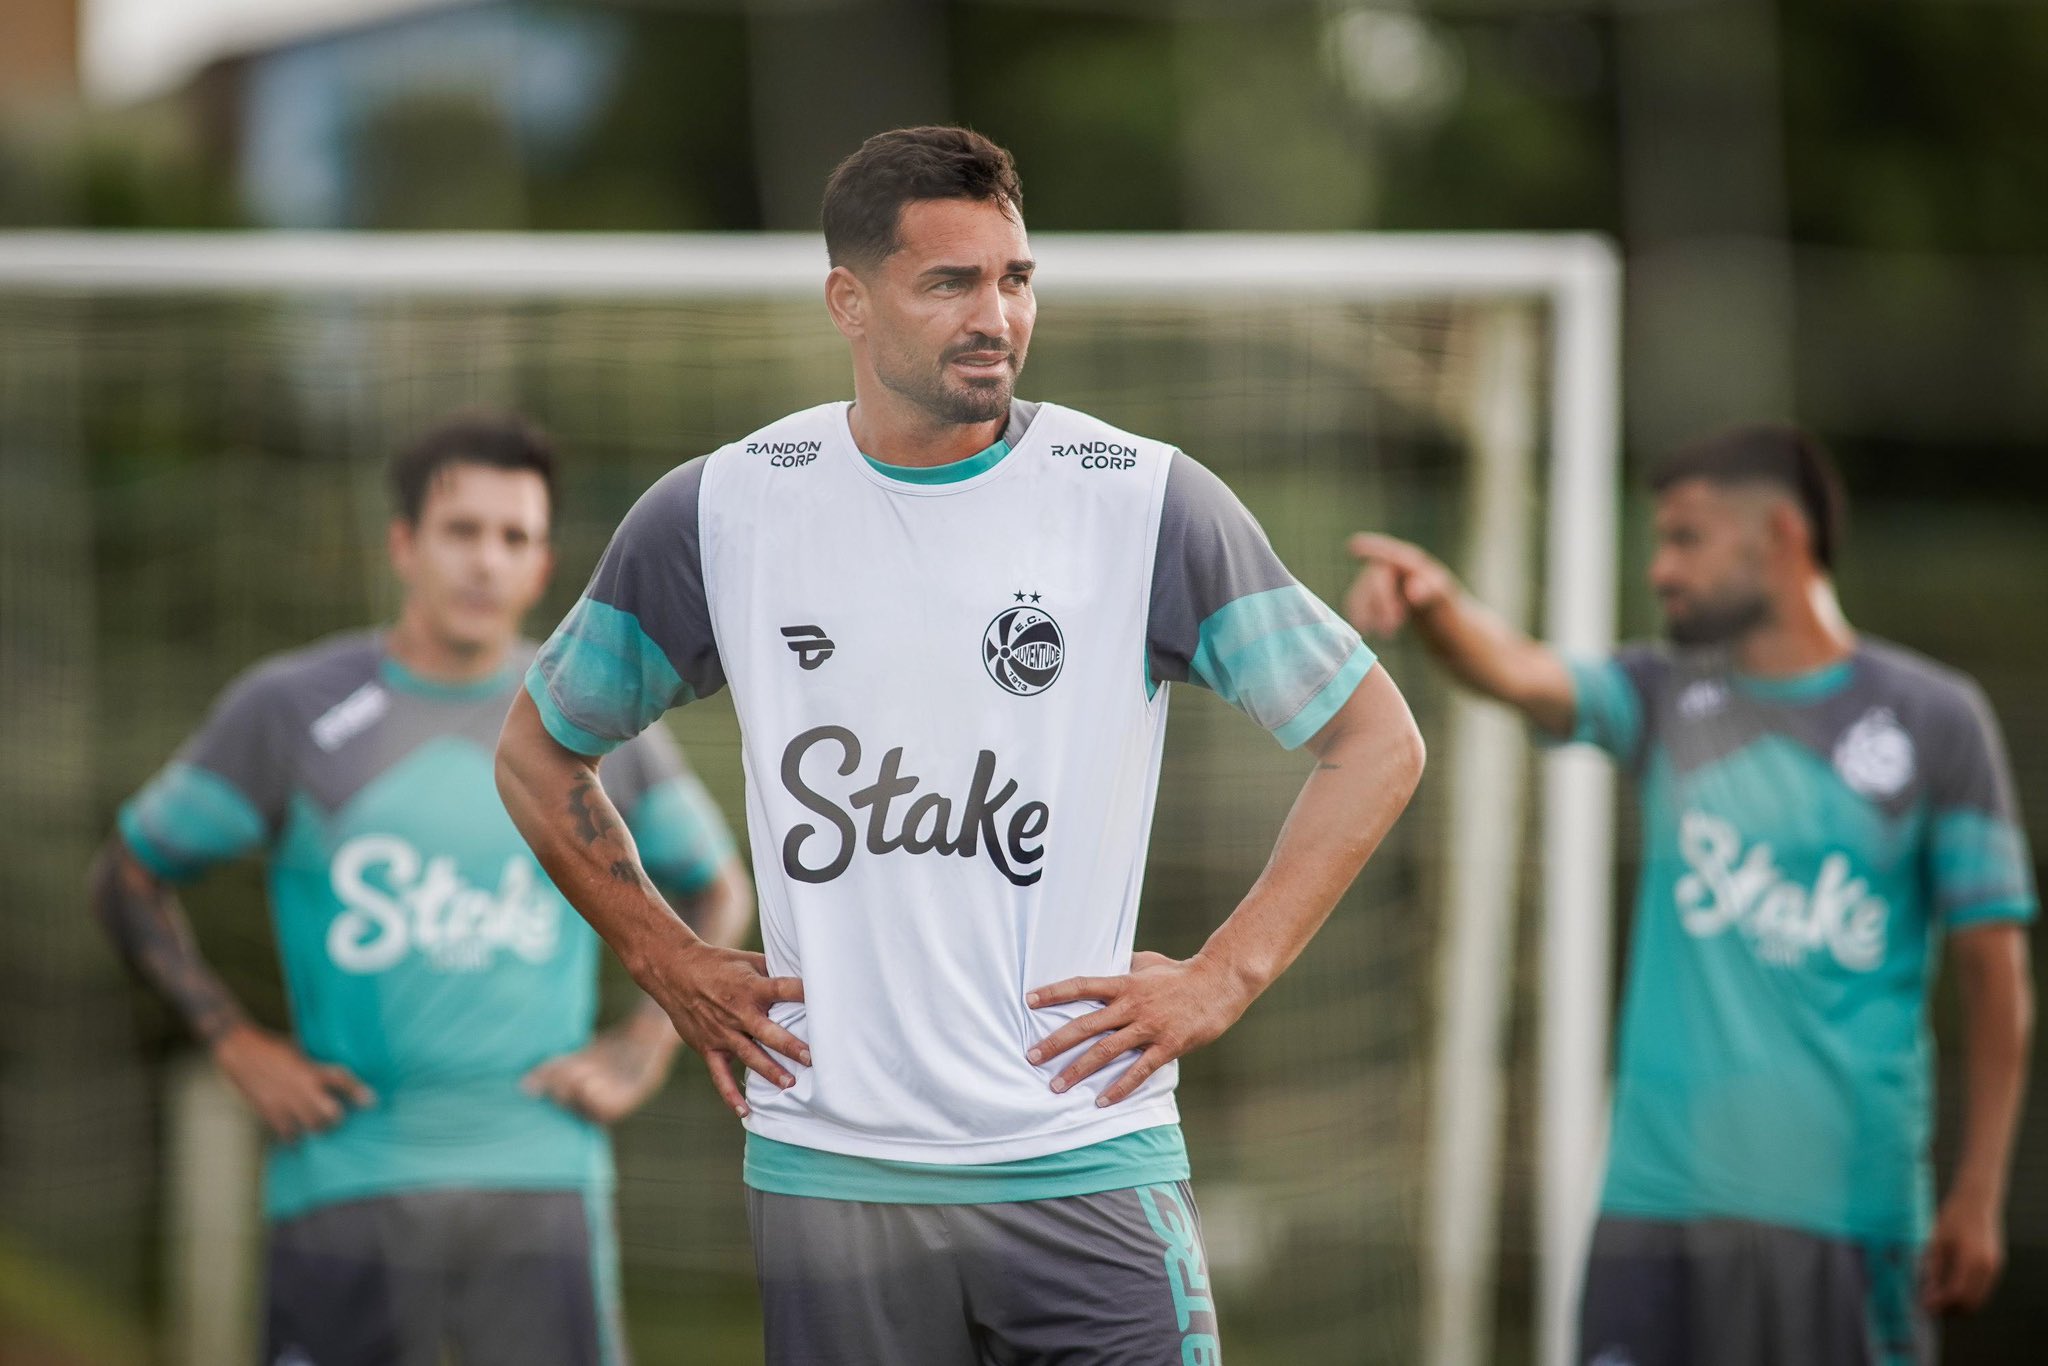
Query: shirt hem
x=277, y=1209
x=1102, y=1167
x=1839, y=1230
x=1164, y=1174
x=831, y=1139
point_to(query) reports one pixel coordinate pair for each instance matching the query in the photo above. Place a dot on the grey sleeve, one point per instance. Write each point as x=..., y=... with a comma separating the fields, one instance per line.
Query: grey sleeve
x=1227, y=615
x=1979, y=863
x=223, y=794
x=1614, y=701
x=639, y=641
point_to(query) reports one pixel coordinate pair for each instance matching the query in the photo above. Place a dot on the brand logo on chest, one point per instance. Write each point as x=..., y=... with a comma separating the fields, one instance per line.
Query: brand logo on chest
x=1730, y=887
x=350, y=717
x=397, y=901
x=926, y=823
x=787, y=455
x=1875, y=756
x=1022, y=649
x=1099, y=455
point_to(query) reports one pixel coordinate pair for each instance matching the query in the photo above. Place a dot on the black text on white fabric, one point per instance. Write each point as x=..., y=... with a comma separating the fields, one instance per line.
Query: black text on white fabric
x=926, y=825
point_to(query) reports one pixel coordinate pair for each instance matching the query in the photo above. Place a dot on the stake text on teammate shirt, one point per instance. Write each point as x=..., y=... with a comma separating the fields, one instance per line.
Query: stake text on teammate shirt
x=926, y=825
x=399, y=901
x=1731, y=887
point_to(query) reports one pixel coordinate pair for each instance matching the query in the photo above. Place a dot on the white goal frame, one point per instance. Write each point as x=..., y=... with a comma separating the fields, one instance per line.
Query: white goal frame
x=1575, y=278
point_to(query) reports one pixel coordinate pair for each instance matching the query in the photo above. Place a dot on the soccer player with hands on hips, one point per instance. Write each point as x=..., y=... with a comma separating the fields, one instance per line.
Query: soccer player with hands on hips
x=1824, y=815
x=948, y=617
x=439, y=1174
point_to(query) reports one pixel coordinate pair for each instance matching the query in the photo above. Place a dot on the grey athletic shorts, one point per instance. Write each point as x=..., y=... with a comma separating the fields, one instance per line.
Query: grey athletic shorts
x=1116, y=1279
x=493, y=1278
x=1727, y=1292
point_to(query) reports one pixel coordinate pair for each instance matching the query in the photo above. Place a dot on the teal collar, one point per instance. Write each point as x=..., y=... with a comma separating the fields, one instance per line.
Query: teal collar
x=397, y=676
x=950, y=473
x=1811, y=686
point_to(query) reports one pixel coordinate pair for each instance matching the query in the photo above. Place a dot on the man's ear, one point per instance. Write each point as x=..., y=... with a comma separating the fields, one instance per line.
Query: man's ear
x=398, y=542
x=1791, y=539
x=846, y=299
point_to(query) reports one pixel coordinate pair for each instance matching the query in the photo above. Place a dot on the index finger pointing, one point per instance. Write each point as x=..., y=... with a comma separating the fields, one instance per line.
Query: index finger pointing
x=1371, y=545
x=1076, y=989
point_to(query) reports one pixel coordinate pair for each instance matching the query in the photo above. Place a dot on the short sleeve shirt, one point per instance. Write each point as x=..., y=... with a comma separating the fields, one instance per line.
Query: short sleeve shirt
x=1807, y=842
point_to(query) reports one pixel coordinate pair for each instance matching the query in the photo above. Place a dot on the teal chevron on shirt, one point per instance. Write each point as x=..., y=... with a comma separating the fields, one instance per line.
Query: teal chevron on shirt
x=1806, y=844
x=422, y=946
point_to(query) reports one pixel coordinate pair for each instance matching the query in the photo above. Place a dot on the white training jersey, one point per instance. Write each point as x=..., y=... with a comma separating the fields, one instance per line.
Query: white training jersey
x=949, y=688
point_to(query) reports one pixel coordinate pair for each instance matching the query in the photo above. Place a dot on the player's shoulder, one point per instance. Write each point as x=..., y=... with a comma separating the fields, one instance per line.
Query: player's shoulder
x=1657, y=671
x=1924, y=693
x=329, y=668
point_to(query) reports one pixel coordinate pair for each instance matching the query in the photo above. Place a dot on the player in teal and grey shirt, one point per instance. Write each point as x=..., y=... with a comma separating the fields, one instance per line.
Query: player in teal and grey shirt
x=1823, y=816
x=440, y=1175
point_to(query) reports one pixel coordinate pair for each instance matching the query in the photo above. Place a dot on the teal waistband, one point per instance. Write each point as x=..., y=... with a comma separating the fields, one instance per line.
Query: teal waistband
x=1145, y=1158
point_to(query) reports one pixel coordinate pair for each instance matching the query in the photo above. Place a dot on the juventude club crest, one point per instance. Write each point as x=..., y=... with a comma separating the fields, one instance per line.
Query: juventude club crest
x=1875, y=756
x=1022, y=650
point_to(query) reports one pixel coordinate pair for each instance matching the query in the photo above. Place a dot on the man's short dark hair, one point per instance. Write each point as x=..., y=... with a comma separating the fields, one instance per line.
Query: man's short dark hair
x=476, y=437
x=1779, y=456
x=864, y=199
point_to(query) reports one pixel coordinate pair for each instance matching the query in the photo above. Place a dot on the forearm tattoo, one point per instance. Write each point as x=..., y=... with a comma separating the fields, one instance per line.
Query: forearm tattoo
x=597, y=821
x=149, y=928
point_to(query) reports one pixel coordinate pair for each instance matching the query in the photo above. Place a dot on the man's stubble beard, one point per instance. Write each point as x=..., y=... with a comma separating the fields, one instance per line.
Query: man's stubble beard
x=1720, y=622
x=982, y=401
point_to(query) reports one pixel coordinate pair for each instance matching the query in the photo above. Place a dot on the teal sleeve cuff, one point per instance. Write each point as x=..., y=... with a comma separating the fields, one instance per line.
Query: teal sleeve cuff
x=1274, y=656
x=188, y=819
x=1605, y=708
x=567, y=733
x=159, y=862
x=1982, y=870
x=2019, y=911
x=600, y=679
x=1303, y=725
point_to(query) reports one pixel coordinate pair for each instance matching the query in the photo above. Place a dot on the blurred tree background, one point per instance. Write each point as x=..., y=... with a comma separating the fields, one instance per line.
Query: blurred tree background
x=1829, y=212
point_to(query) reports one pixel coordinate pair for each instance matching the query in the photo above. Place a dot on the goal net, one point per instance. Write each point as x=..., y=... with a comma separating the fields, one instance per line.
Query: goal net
x=1394, y=1150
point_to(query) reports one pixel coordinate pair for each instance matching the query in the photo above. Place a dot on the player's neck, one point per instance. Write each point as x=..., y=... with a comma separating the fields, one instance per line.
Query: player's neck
x=425, y=653
x=1808, y=632
x=899, y=432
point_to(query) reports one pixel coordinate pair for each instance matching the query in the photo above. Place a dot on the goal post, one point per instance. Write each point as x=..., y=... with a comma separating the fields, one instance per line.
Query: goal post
x=1526, y=386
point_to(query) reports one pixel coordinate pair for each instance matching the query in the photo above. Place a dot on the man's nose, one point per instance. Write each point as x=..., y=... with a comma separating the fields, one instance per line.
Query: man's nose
x=493, y=556
x=991, y=316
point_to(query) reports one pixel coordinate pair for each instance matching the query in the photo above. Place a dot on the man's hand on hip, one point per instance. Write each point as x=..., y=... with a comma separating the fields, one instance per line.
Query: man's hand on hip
x=718, y=1001
x=292, y=1095
x=614, y=1074
x=1160, y=1010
